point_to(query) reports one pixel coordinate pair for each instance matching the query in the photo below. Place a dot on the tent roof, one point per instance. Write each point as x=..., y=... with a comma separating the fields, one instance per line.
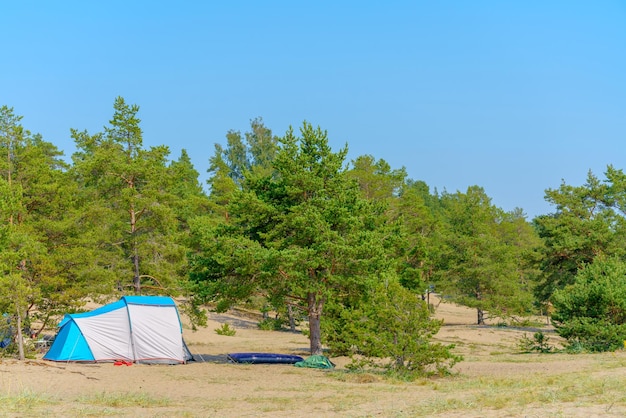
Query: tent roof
x=125, y=300
x=149, y=300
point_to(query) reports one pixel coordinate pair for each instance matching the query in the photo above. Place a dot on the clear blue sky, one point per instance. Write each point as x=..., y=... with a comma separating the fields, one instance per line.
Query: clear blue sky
x=513, y=96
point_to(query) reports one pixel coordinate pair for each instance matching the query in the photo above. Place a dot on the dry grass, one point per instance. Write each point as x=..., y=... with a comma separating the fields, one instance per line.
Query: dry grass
x=493, y=381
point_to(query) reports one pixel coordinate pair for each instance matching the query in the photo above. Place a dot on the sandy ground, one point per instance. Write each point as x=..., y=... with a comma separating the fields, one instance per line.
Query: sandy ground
x=212, y=386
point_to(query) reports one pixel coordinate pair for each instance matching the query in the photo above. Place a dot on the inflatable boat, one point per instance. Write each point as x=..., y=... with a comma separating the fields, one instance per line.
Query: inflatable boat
x=264, y=358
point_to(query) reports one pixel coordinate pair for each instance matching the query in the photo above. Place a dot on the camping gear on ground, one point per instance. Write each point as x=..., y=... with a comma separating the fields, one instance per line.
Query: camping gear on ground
x=264, y=358
x=316, y=362
x=140, y=329
x=6, y=331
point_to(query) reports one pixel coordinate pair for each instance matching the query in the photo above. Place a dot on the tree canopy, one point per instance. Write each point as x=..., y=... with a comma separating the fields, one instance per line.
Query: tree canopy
x=292, y=222
x=301, y=234
x=484, y=258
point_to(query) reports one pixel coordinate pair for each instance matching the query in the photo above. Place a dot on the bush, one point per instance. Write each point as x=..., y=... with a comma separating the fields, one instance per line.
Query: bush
x=593, y=335
x=591, y=313
x=393, y=331
x=271, y=324
x=538, y=343
x=225, y=329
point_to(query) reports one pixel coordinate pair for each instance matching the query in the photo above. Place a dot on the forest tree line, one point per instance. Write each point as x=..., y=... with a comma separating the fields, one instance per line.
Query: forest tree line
x=291, y=223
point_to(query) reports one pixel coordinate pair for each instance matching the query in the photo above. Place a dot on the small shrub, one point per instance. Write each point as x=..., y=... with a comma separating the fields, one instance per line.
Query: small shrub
x=538, y=343
x=271, y=324
x=393, y=332
x=225, y=329
x=575, y=347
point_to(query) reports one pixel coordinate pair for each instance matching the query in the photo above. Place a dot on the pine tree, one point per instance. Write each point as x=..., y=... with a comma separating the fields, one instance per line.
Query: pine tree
x=302, y=235
x=132, y=220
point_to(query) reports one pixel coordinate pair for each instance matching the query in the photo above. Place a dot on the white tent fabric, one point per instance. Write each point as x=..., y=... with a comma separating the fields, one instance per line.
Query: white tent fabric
x=154, y=332
x=142, y=329
x=108, y=335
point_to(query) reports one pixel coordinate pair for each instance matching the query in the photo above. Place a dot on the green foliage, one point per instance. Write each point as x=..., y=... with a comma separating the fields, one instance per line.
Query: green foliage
x=133, y=213
x=393, y=330
x=539, y=343
x=252, y=154
x=486, y=255
x=271, y=324
x=575, y=347
x=418, y=215
x=301, y=233
x=226, y=330
x=65, y=231
x=31, y=187
x=287, y=219
x=194, y=310
x=376, y=179
x=592, y=311
x=585, y=225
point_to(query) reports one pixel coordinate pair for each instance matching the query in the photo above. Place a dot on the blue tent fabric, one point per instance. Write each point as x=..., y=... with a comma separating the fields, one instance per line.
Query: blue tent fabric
x=148, y=300
x=135, y=328
x=71, y=344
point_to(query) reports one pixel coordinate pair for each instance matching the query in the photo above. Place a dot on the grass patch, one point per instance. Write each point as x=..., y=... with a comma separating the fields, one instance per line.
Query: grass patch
x=356, y=376
x=273, y=403
x=25, y=401
x=123, y=400
x=200, y=344
x=518, y=393
x=437, y=405
x=91, y=411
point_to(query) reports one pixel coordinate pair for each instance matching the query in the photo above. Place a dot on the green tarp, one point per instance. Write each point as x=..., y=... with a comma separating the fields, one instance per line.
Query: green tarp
x=316, y=362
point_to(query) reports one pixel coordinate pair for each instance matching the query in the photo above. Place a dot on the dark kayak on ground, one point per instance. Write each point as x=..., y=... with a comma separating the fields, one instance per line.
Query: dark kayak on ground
x=264, y=358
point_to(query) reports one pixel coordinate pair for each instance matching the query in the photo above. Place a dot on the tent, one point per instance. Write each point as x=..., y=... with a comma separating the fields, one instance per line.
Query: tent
x=141, y=329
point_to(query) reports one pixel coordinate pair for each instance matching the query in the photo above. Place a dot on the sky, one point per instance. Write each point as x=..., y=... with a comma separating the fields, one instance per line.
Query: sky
x=513, y=96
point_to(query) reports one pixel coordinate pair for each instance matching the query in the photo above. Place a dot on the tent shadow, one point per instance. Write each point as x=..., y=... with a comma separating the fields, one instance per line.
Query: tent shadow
x=211, y=358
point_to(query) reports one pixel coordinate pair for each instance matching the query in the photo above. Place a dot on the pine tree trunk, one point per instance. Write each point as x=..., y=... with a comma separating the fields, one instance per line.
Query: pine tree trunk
x=481, y=316
x=135, y=257
x=315, y=307
x=292, y=319
x=480, y=313
x=20, y=337
x=136, y=278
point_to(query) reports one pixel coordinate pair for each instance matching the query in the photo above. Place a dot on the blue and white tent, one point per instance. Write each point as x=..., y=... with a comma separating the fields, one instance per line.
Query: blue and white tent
x=141, y=329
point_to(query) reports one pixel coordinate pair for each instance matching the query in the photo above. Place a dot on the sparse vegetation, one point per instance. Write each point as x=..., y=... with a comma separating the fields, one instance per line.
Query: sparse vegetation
x=593, y=387
x=24, y=401
x=539, y=343
x=394, y=331
x=226, y=330
x=271, y=324
x=125, y=399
